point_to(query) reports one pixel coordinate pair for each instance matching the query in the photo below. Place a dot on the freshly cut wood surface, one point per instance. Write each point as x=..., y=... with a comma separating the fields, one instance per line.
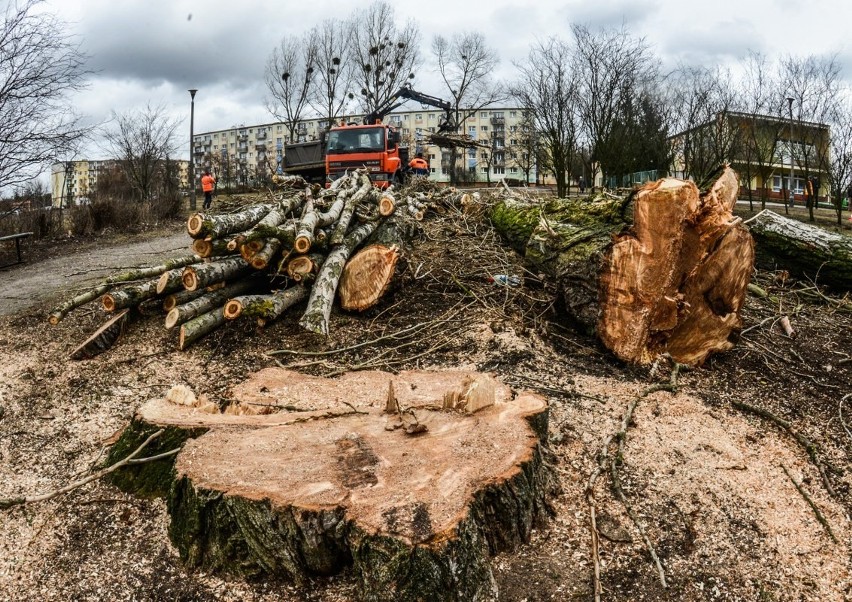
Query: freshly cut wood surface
x=662, y=271
x=302, y=493
x=366, y=276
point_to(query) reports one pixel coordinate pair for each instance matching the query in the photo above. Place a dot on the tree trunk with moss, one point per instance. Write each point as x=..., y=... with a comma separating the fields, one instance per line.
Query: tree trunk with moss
x=823, y=256
x=662, y=271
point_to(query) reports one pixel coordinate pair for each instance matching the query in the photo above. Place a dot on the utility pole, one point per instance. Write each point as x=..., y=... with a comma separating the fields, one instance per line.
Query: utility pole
x=191, y=142
x=790, y=107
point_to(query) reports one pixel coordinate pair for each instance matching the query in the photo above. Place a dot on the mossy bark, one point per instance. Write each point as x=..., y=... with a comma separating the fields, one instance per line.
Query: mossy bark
x=565, y=239
x=823, y=256
x=251, y=538
x=152, y=479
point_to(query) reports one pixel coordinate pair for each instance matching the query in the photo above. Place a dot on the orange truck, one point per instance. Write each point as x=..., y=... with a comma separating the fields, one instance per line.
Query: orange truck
x=373, y=145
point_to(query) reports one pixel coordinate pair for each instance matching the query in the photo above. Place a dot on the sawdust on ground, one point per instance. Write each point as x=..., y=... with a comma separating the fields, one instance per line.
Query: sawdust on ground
x=705, y=479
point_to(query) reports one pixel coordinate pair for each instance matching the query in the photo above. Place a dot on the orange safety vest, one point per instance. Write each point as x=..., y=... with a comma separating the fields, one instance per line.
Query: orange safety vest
x=418, y=163
x=207, y=183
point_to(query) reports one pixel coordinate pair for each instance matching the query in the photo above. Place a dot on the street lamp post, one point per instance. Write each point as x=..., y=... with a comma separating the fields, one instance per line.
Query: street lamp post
x=191, y=142
x=790, y=108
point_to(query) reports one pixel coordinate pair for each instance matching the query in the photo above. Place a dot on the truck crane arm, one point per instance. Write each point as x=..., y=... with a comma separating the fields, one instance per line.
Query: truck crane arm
x=446, y=124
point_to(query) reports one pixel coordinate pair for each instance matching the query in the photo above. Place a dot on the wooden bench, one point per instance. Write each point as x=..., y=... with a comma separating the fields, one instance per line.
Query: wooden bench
x=17, y=238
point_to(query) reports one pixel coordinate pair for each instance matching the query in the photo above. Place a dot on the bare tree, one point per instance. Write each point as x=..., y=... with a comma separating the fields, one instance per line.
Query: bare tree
x=835, y=158
x=813, y=83
x=39, y=66
x=385, y=56
x=547, y=89
x=333, y=73
x=289, y=78
x=523, y=145
x=142, y=141
x=466, y=65
x=762, y=104
x=701, y=100
x=611, y=64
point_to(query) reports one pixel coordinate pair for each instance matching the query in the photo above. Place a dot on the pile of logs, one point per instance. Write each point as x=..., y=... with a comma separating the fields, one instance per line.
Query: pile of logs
x=266, y=258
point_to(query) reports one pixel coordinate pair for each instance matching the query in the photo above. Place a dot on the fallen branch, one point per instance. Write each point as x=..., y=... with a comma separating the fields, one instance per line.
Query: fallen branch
x=131, y=459
x=811, y=503
x=604, y=459
x=806, y=443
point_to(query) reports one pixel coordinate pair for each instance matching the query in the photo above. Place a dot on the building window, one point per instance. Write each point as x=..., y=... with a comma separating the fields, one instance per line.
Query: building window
x=419, y=117
x=432, y=169
x=278, y=129
x=483, y=128
x=485, y=169
x=513, y=113
x=499, y=170
x=431, y=116
x=497, y=113
x=513, y=170
x=484, y=114
x=431, y=156
x=406, y=116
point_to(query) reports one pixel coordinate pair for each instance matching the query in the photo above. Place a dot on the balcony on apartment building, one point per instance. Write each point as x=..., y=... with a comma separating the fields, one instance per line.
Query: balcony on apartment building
x=498, y=121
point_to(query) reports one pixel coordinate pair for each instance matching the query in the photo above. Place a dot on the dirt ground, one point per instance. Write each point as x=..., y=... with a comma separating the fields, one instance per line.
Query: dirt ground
x=714, y=486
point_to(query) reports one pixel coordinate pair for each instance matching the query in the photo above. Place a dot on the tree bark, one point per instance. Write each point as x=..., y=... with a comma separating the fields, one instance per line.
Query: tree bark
x=103, y=338
x=200, y=326
x=805, y=250
x=664, y=271
x=200, y=225
x=199, y=277
x=207, y=302
x=129, y=296
x=316, y=316
x=62, y=310
x=293, y=495
x=264, y=307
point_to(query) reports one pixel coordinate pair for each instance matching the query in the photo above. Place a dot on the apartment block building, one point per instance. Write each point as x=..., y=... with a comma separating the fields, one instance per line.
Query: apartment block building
x=249, y=154
x=77, y=180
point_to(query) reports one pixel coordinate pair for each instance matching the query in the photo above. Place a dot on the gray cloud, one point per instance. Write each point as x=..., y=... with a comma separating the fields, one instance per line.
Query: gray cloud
x=608, y=13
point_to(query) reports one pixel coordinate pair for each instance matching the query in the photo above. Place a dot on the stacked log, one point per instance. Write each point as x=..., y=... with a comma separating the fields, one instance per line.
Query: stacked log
x=303, y=237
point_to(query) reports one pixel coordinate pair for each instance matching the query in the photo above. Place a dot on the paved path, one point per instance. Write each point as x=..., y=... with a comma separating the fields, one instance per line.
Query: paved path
x=29, y=284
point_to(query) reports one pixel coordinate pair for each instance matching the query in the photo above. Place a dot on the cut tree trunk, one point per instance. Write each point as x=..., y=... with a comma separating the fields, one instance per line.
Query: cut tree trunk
x=103, y=338
x=200, y=225
x=129, y=296
x=264, y=307
x=367, y=276
x=824, y=257
x=197, y=277
x=58, y=313
x=200, y=326
x=211, y=248
x=316, y=316
x=663, y=271
x=296, y=495
x=207, y=302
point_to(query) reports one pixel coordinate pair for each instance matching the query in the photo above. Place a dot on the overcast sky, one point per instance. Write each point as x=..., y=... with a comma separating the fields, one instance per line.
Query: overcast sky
x=153, y=51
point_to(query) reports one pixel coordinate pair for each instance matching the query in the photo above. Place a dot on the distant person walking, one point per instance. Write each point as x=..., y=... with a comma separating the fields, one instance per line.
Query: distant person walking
x=208, y=183
x=419, y=166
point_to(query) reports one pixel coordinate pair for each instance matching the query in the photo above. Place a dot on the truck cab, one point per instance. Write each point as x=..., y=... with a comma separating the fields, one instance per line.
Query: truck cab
x=374, y=146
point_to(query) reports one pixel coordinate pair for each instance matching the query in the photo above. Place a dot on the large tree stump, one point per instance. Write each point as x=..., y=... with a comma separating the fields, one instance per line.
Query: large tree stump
x=326, y=485
x=663, y=271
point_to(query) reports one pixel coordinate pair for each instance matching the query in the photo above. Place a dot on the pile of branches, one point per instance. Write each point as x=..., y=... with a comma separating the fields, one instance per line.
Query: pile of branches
x=265, y=259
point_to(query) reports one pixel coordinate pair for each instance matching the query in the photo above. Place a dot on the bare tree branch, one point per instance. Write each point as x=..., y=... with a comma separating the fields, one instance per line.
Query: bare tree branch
x=39, y=67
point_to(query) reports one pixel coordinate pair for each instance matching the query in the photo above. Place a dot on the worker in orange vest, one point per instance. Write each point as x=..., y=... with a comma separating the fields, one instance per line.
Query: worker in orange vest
x=208, y=183
x=419, y=166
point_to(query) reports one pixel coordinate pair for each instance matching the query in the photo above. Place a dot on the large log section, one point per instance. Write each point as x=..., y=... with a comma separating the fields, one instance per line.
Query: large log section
x=663, y=271
x=819, y=254
x=415, y=501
